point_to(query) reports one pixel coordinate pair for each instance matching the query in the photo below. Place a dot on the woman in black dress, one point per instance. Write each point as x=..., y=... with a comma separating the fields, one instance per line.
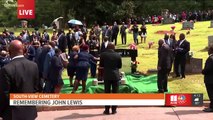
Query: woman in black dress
x=143, y=33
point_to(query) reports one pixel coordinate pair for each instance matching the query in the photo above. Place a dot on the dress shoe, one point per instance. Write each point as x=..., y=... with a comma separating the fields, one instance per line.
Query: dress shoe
x=160, y=91
x=114, y=112
x=208, y=110
x=106, y=112
x=165, y=90
x=177, y=76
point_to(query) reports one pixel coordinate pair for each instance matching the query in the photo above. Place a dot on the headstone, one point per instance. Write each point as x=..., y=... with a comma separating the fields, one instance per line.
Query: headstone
x=168, y=21
x=210, y=41
x=187, y=25
x=194, y=66
x=211, y=24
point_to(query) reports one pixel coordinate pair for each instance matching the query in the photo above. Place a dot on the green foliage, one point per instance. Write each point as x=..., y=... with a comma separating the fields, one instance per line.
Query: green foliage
x=125, y=9
x=99, y=10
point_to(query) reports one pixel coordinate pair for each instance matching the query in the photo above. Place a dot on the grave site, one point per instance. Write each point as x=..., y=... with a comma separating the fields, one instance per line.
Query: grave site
x=144, y=79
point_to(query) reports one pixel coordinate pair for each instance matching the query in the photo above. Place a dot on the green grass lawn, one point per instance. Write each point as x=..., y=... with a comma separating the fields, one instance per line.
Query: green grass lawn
x=148, y=57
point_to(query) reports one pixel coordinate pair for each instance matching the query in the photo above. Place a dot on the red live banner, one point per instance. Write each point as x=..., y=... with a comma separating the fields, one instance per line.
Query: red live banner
x=26, y=9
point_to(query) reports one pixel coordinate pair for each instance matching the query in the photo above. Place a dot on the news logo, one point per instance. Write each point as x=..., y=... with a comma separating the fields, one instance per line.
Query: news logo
x=177, y=99
x=184, y=99
x=26, y=9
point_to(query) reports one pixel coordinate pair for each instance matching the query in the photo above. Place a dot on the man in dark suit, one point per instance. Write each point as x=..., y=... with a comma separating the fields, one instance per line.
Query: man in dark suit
x=111, y=72
x=115, y=30
x=18, y=77
x=123, y=33
x=104, y=44
x=164, y=64
x=62, y=42
x=46, y=67
x=181, y=52
x=70, y=40
x=208, y=78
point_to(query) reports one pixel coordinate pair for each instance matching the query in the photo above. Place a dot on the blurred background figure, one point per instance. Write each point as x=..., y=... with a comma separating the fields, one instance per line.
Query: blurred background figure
x=115, y=30
x=94, y=47
x=4, y=58
x=123, y=33
x=104, y=29
x=135, y=32
x=143, y=33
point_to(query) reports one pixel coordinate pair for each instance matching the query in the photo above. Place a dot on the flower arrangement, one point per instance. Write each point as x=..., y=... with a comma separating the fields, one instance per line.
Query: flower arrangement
x=133, y=46
x=150, y=44
x=173, y=27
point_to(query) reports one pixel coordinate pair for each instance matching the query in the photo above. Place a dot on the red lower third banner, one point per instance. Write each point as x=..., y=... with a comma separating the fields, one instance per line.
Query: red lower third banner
x=180, y=99
x=26, y=9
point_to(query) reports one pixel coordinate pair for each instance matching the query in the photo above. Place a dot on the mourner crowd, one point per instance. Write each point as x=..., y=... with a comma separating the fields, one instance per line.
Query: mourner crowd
x=51, y=55
x=47, y=57
x=177, y=17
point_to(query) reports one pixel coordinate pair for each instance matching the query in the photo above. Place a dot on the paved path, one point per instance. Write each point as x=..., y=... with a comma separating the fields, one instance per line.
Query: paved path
x=130, y=113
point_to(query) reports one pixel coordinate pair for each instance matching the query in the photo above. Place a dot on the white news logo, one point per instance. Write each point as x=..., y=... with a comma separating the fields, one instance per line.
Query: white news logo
x=173, y=99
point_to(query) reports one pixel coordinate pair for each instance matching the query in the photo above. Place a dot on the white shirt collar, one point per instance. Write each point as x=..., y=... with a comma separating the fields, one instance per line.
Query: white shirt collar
x=19, y=56
x=182, y=42
x=168, y=41
x=106, y=44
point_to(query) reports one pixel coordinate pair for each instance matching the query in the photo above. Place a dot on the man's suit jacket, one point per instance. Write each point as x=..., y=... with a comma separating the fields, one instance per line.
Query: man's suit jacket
x=47, y=62
x=19, y=76
x=41, y=59
x=115, y=30
x=182, y=49
x=111, y=62
x=172, y=45
x=62, y=43
x=56, y=68
x=208, y=70
x=164, y=57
